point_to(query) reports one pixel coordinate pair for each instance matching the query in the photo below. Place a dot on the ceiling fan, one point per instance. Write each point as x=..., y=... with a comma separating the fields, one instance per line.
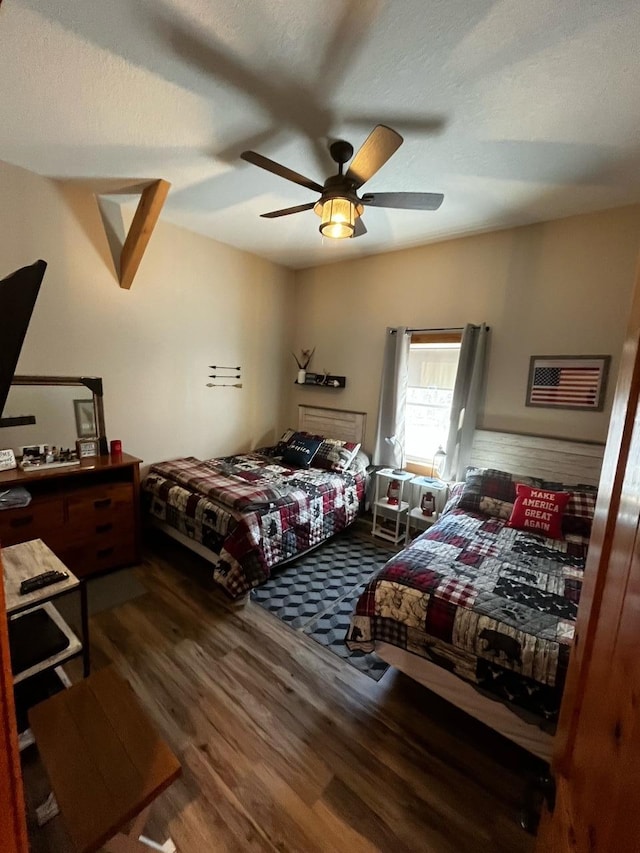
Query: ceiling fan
x=339, y=206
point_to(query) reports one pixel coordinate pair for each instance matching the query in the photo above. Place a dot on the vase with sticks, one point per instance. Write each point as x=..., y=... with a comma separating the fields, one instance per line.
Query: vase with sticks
x=303, y=363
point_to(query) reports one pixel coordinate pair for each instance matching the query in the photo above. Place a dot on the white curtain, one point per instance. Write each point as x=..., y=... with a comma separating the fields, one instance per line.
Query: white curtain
x=389, y=444
x=467, y=397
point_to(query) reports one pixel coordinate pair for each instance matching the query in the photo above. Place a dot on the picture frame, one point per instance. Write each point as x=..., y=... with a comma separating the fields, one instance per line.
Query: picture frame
x=577, y=382
x=7, y=460
x=85, y=418
x=87, y=448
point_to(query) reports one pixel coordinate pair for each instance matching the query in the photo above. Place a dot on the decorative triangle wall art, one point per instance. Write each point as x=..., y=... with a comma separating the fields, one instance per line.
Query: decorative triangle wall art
x=128, y=251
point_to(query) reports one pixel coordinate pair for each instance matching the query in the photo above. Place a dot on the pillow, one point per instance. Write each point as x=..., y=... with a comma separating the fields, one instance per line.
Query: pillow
x=335, y=455
x=284, y=442
x=578, y=515
x=491, y=492
x=453, y=498
x=360, y=463
x=301, y=450
x=539, y=511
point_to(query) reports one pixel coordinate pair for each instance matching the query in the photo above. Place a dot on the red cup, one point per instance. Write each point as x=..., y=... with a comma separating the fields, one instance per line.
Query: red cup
x=116, y=447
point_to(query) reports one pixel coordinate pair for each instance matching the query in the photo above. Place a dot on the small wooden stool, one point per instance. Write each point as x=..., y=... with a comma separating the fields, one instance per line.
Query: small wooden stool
x=105, y=762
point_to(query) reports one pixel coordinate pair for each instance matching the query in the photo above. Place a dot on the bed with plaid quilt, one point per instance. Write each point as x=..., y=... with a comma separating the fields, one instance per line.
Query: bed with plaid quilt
x=494, y=605
x=251, y=511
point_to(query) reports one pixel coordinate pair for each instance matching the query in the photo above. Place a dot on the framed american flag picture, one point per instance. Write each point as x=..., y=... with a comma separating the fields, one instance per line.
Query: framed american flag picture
x=568, y=381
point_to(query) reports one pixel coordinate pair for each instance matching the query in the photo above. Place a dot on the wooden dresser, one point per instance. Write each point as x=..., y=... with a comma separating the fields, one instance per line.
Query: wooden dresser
x=89, y=515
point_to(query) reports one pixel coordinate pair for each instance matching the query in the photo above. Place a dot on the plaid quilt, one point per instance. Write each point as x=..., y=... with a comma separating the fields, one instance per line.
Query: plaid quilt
x=251, y=511
x=494, y=605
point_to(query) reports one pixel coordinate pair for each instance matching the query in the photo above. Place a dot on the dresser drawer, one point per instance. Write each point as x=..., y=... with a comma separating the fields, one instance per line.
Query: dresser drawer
x=109, y=556
x=40, y=520
x=111, y=524
x=97, y=504
x=100, y=556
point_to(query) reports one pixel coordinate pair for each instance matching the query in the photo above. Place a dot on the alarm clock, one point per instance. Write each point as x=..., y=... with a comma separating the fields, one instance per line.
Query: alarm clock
x=7, y=460
x=87, y=447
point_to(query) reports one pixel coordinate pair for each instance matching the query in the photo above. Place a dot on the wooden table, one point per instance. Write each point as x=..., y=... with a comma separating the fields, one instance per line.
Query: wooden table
x=32, y=558
x=105, y=762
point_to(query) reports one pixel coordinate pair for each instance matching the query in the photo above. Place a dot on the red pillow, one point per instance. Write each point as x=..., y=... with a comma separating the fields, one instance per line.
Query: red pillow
x=539, y=511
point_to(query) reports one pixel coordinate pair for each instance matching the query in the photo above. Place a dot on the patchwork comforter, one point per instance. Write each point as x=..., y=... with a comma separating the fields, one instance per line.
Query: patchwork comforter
x=494, y=605
x=252, y=511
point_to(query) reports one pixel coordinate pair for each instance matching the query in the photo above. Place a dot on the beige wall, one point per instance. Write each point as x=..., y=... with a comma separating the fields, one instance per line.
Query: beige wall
x=193, y=303
x=559, y=288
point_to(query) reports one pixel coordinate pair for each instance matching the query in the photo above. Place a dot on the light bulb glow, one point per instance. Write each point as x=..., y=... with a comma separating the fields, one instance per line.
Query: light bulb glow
x=338, y=218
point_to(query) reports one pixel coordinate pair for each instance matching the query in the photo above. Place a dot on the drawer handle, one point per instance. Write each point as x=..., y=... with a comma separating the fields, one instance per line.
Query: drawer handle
x=104, y=552
x=103, y=528
x=21, y=522
x=103, y=503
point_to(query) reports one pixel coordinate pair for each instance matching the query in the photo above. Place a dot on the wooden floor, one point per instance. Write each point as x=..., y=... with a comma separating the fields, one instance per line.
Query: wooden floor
x=284, y=746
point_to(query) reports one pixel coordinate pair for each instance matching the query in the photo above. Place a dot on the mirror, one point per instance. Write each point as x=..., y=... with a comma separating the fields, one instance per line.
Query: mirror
x=52, y=410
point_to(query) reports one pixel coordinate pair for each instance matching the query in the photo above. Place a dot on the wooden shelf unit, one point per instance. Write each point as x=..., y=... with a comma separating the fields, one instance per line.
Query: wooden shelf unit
x=89, y=515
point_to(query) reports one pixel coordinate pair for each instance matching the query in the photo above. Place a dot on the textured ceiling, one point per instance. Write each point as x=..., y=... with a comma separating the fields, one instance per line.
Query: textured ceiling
x=518, y=110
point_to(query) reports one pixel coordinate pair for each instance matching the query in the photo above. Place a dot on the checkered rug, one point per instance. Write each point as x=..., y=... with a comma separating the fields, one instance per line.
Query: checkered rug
x=317, y=594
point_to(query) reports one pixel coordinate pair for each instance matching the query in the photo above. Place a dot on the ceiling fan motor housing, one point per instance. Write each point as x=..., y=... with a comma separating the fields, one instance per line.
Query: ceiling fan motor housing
x=341, y=151
x=338, y=187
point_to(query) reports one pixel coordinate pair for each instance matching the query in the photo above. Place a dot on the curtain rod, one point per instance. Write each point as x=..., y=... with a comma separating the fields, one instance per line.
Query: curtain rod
x=452, y=329
x=436, y=330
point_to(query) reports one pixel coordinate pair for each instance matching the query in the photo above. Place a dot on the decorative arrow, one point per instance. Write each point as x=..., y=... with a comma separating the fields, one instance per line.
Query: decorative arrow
x=227, y=385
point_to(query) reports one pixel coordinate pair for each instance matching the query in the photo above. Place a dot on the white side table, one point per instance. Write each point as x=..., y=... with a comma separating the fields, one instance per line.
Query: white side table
x=382, y=508
x=415, y=516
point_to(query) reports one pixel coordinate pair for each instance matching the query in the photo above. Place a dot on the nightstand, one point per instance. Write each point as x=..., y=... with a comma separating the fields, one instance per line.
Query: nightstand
x=415, y=518
x=388, y=517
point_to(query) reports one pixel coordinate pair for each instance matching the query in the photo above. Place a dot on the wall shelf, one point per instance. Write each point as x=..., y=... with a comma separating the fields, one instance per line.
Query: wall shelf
x=323, y=380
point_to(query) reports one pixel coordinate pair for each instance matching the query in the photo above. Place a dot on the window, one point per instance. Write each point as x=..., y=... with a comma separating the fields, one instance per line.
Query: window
x=433, y=363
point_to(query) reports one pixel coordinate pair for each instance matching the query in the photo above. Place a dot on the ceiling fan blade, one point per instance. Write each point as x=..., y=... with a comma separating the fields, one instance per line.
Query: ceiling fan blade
x=433, y=123
x=281, y=171
x=345, y=43
x=404, y=201
x=360, y=228
x=286, y=211
x=374, y=152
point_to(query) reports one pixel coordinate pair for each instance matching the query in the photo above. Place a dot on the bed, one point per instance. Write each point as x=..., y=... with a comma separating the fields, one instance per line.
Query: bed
x=251, y=512
x=481, y=612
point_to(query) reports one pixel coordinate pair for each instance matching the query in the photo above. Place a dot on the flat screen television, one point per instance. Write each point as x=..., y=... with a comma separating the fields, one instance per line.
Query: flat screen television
x=18, y=294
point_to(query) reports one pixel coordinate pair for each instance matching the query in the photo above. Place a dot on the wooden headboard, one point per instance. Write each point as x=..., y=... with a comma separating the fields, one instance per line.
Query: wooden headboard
x=333, y=423
x=537, y=456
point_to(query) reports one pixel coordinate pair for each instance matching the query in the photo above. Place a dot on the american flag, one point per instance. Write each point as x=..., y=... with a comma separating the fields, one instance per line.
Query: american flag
x=556, y=385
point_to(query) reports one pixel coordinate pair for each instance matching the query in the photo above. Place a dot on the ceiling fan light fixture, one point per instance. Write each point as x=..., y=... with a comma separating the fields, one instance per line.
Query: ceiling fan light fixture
x=339, y=207
x=338, y=217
